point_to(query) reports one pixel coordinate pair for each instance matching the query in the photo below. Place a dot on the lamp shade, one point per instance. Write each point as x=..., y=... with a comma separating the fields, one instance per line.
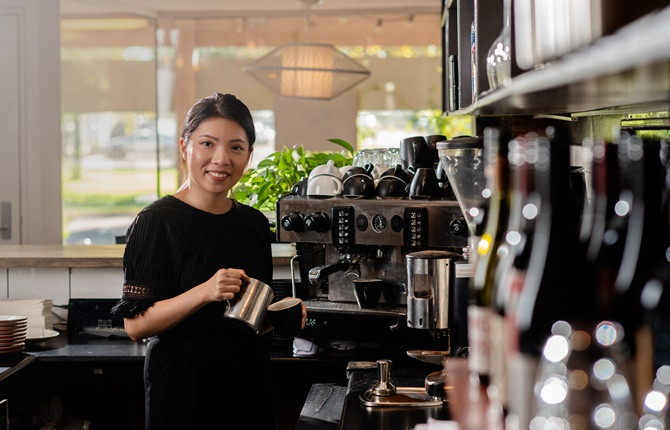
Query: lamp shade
x=307, y=70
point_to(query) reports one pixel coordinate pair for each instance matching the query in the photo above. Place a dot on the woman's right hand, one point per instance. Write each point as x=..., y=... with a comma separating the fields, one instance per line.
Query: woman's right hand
x=224, y=284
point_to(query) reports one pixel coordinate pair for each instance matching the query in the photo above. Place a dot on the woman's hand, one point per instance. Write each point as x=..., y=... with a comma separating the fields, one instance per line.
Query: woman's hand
x=304, y=311
x=224, y=284
x=165, y=314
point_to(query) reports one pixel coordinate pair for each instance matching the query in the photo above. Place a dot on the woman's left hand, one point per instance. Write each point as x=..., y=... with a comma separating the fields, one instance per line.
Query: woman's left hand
x=304, y=311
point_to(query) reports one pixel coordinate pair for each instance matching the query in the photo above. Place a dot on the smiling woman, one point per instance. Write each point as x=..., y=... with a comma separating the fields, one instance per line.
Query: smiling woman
x=186, y=256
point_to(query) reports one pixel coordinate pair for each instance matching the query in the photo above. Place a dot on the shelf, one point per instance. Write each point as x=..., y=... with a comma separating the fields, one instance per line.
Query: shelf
x=628, y=70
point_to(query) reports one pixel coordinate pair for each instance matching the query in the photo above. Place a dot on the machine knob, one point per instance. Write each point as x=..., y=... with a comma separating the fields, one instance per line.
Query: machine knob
x=458, y=227
x=293, y=222
x=318, y=221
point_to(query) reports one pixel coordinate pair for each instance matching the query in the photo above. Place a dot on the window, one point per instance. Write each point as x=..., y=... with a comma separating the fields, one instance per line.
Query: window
x=127, y=83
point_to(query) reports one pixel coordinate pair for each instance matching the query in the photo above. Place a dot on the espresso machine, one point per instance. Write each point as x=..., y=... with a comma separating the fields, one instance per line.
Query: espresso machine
x=418, y=248
x=340, y=240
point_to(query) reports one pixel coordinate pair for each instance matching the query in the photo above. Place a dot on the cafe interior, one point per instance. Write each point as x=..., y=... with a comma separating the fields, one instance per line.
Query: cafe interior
x=450, y=280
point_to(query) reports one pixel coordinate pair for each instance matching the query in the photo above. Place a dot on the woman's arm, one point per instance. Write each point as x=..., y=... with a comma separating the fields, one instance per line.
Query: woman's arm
x=165, y=314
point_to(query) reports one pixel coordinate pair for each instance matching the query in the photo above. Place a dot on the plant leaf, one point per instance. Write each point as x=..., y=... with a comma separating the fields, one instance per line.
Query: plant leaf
x=344, y=144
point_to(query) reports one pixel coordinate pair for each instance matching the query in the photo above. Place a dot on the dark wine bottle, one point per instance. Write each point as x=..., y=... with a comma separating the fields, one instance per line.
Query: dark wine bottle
x=550, y=284
x=641, y=243
x=605, y=190
x=511, y=245
x=546, y=170
x=655, y=296
x=606, y=246
x=482, y=282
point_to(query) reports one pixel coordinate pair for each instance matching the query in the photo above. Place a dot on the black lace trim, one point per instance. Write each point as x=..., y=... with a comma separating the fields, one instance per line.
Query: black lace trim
x=129, y=308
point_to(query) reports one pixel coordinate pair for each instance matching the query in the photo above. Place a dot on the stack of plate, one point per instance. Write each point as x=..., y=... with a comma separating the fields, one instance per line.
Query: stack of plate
x=13, y=329
x=38, y=311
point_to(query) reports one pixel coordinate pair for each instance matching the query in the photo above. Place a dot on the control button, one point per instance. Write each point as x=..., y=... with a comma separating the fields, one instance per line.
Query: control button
x=293, y=222
x=396, y=223
x=318, y=221
x=362, y=222
x=415, y=234
x=458, y=227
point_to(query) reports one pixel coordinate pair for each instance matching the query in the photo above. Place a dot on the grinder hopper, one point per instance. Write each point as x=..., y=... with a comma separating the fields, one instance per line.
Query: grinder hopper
x=462, y=160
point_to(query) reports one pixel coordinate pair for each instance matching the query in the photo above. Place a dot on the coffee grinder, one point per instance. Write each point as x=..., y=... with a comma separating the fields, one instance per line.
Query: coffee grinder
x=438, y=280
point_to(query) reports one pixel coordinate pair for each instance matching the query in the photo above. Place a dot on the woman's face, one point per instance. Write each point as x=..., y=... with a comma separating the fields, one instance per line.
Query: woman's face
x=217, y=153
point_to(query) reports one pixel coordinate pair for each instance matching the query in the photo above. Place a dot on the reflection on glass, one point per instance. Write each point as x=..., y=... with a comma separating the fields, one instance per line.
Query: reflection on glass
x=582, y=381
x=655, y=406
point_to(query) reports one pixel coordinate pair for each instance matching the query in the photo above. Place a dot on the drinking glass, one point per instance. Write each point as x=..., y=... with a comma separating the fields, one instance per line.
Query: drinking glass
x=380, y=158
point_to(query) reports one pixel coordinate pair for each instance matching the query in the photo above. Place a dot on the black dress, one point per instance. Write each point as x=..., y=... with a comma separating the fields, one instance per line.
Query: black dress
x=203, y=373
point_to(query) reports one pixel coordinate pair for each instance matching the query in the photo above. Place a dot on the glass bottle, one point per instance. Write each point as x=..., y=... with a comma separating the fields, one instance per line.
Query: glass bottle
x=605, y=189
x=641, y=244
x=655, y=295
x=605, y=249
x=592, y=350
x=508, y=249
x=519, y=369
x=583, y=380
x=474, y=72
x=499, y=56
x=482, y=283
x=549, y=284
x=552, y=264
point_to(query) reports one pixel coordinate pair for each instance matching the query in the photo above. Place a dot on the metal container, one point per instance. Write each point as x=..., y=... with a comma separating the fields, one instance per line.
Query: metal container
x=250, y=305
x=429, y=275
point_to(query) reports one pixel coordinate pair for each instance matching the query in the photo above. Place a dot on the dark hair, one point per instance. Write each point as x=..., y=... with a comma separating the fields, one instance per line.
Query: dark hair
x=219, y=105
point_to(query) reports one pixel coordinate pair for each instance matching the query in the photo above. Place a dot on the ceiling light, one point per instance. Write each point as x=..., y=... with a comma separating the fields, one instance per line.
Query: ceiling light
x=307, y=70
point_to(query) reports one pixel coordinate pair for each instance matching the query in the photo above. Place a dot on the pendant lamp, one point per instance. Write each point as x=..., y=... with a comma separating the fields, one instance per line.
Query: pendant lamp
x=307, y=70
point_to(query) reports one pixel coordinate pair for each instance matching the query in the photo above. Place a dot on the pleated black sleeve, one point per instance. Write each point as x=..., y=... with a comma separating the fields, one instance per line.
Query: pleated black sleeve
x=148, y=261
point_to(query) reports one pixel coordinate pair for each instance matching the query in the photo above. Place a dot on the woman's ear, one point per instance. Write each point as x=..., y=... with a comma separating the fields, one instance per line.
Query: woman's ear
x=182, y=147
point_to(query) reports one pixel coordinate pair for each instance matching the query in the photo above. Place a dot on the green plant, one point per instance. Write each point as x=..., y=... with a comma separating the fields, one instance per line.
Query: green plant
x=433, y=121
x=278, y=172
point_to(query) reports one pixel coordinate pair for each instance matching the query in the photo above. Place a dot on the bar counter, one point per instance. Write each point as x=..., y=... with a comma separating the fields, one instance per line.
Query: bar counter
x=101, y=379
x=93, y=255
x=330, y=407
x=100, y=375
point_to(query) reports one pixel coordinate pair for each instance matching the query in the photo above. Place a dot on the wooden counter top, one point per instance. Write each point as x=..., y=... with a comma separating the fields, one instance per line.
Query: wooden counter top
x=94, y=255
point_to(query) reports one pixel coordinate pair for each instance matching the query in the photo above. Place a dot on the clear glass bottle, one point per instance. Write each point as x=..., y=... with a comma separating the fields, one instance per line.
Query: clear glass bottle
x=499, y=56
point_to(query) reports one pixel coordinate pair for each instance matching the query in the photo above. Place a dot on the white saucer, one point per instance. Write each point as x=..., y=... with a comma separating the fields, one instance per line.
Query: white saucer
x=47, y=334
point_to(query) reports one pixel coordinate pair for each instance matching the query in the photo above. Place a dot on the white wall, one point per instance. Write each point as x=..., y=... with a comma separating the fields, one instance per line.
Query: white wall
x=312, y=122
x=30, y=68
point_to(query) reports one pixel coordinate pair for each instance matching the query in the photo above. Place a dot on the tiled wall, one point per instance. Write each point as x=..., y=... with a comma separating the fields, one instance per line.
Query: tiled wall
x=61, y=284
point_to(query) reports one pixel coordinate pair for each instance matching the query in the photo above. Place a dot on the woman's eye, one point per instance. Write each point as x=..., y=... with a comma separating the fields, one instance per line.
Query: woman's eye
x=206, y=143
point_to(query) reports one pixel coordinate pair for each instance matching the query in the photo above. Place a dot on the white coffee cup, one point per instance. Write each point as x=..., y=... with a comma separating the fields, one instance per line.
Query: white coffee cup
x=326, y=169
x=324, y=186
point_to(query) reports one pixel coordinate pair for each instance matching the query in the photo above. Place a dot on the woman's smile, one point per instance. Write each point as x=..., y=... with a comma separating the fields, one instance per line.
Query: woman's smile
x=218, y=175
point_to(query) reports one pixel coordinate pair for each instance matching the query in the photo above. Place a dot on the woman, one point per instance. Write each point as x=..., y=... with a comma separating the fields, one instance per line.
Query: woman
x=186, y=254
